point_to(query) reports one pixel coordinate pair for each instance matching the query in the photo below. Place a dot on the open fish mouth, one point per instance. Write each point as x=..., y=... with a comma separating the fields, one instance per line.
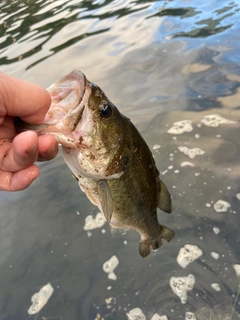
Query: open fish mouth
x=68, y=101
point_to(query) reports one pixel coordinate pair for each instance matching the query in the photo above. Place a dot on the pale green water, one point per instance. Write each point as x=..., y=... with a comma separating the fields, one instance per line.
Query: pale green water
x=159, y=62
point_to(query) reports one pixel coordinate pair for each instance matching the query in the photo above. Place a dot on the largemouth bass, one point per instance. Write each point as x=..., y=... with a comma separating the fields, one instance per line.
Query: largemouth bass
x=108, y=157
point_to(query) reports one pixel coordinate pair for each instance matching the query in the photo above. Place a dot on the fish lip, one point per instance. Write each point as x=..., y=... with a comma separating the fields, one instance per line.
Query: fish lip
x=74, y=84
x=69, y=95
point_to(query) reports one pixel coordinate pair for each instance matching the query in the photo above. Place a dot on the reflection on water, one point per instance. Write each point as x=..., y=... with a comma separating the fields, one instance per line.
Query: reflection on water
x=160, y=62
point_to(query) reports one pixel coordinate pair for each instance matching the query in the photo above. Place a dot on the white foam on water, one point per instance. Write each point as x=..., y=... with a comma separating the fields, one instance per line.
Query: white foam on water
x=112, y=276
x=93, y=223
x=188, y=254
x=109, y=302
x=190, y=316
x=186, y=163
x=109, y=266
x=215, y=255
x=164, y=172
x=40, y=298
x=221, y=206
x=156, y=146
x=180, y=127
x=216, y=230
x=192, y=153
x=216, y=286
x=156, y=316
x=238, y=196
x=237, y=269
x=214, y=120
x=136, y=314
x=181, y=285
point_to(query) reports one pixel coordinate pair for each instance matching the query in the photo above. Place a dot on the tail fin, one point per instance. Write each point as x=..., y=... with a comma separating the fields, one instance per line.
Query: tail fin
x=145, y=246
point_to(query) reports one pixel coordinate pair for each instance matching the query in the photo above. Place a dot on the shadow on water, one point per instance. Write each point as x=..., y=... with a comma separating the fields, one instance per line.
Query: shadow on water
x=160, y=62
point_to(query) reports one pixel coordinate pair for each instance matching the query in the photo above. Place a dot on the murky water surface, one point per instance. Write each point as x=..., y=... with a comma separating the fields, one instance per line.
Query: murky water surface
x=160, y=62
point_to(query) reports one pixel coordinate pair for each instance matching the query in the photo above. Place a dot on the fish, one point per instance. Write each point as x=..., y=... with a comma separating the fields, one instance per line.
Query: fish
x=108, y=157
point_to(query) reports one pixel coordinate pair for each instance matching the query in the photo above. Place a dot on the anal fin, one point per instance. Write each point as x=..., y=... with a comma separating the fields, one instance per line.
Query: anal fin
x=118, y=231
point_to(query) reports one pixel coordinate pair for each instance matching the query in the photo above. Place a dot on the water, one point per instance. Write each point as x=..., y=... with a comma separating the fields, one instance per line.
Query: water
x=160, y=62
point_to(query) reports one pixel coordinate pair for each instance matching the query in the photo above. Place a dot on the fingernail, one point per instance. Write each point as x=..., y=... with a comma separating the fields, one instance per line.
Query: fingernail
x=49, y=154
x=34, y=149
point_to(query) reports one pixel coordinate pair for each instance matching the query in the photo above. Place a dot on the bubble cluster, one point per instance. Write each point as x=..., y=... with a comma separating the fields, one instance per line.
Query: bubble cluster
x=93, y=223
x=216, y=286
x=110, y=302
x=156, y=147
x=186, y=163
x=214, y=120
x=215, y=255
x=221, y=206
x=180, y=127
x=40, y=298
x=109, y=266
x=192, y=153
x=181, y=285
x=190, y=316
x=188, y=254
x=136, y=314
x=237, y=269
x=216, y=230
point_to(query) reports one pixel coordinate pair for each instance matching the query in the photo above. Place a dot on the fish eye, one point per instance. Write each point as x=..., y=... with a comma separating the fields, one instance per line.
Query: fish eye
x=105, y=110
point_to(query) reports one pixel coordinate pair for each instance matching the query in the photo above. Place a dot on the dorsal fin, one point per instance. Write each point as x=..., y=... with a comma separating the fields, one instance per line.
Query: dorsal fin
x=165, y=202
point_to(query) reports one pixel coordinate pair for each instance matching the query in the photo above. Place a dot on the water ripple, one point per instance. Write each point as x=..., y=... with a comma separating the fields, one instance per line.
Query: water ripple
x=28, y=25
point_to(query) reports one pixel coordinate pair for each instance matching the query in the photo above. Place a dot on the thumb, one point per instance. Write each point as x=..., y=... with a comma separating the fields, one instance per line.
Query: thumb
x=23, y=99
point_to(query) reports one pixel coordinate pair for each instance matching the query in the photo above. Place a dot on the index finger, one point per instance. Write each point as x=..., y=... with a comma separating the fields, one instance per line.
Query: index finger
x=22, y=99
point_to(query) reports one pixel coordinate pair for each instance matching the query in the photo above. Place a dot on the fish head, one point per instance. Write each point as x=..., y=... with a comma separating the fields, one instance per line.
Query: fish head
x=88, y=126
x=99, y=137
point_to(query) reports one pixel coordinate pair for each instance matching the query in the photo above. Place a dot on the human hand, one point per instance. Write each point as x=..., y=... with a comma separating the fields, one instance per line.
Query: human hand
x=30, y=102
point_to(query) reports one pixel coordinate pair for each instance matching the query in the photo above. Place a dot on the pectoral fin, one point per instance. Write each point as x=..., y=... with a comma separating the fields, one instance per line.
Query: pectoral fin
x=105, y=199
x=165, y=202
